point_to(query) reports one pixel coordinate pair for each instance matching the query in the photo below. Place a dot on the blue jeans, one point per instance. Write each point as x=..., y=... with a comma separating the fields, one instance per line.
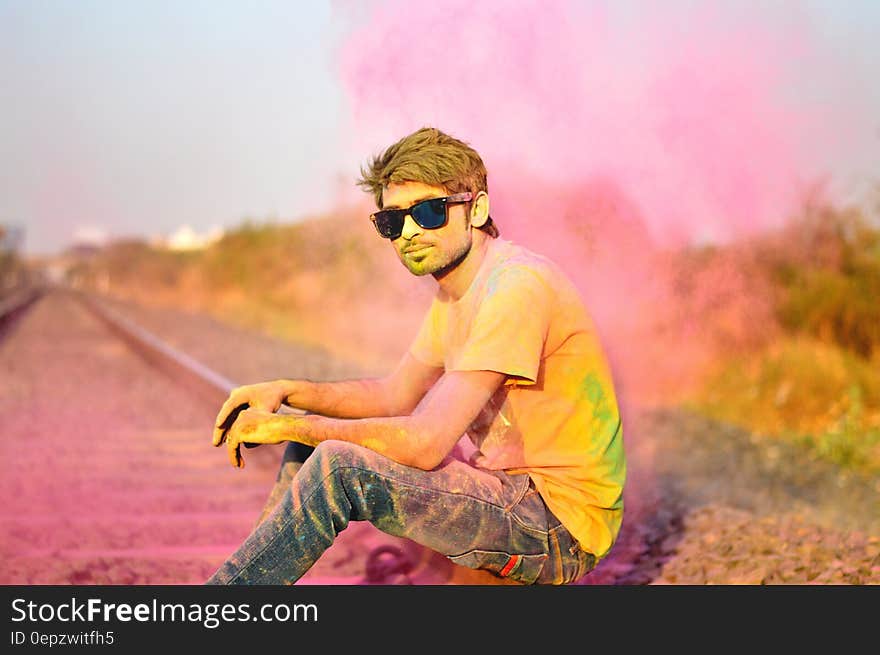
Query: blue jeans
x=478, y=518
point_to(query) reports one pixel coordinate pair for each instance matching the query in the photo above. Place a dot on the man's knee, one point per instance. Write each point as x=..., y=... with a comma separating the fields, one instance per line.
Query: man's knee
x=333, y=454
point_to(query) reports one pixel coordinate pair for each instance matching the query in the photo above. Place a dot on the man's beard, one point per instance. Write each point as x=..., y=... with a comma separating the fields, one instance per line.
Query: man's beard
x=443, y=268
x=457, y=259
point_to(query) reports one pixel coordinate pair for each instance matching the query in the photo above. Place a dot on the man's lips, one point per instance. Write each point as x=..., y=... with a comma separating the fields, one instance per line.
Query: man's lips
x=417, y=248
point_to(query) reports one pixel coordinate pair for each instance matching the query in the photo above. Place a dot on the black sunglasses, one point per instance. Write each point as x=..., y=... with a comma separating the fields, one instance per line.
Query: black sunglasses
x=429, y=214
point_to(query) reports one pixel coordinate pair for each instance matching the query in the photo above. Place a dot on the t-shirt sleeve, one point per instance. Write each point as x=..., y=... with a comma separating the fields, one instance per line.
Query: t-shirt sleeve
x=427, y=347
x=510, y=327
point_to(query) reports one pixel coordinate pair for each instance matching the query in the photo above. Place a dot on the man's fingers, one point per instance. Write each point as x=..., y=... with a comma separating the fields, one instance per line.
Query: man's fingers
x=232, y=448
x=233, y=402
x=227, y=406
x=232, y=413
x=259, y=403
x=220, y=426
x=217, y=437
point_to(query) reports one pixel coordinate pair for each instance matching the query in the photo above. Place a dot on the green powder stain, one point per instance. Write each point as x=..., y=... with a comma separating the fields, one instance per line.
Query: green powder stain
x=592, y=388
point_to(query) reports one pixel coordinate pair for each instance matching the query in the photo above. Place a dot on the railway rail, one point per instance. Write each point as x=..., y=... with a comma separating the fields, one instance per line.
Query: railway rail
x=16, y=303
x=361, y=554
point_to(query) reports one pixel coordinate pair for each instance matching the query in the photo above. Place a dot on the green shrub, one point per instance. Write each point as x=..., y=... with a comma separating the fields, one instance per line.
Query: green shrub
x=804, y=390
x=828, y=268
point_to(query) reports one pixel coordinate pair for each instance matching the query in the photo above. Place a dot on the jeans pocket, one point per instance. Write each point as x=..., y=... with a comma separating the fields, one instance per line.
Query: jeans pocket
x=522, y=568
x=573, y=562
x=586, y=563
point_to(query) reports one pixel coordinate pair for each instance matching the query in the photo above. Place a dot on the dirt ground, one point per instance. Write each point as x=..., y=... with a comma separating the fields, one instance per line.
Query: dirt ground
x=706, y=503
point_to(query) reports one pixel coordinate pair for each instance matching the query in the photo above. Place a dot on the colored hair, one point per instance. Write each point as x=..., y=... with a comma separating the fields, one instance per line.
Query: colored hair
x=431, y=157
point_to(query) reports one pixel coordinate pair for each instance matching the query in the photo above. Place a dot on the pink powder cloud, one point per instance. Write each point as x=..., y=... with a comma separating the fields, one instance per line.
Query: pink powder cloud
x=683, y=112
x=607, y=136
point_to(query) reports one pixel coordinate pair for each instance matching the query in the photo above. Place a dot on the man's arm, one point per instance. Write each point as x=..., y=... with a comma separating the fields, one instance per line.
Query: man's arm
x=420, y=439
x=397, y=394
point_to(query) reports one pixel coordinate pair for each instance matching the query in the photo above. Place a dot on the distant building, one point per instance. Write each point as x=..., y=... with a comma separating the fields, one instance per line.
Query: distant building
x=185, y=238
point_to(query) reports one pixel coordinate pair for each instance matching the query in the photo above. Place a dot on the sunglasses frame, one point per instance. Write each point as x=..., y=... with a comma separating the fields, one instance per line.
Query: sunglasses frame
x=455, y=198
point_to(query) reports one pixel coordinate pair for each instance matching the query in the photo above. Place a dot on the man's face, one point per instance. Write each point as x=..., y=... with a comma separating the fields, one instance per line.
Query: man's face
x=425, y=251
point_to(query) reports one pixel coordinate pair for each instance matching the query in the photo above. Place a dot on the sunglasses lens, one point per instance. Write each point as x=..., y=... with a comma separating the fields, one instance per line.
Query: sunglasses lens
x=389, y=223
x=430, y=214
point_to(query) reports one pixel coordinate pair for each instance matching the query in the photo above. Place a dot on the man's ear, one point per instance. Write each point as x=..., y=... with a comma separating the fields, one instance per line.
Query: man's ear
x=480, y=209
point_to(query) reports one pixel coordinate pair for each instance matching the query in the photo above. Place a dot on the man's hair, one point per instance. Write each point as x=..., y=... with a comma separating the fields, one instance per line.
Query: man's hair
x=431, y=157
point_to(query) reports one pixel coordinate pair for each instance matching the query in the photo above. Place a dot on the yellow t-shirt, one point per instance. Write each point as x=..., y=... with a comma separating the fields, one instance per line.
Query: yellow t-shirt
x=556, y=416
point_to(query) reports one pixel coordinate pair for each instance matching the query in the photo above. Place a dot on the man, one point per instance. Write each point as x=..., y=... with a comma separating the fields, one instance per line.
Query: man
x=507, y=354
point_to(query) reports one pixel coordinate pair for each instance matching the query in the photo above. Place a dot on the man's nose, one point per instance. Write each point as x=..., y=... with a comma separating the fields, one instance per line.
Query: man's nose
x=410, y=228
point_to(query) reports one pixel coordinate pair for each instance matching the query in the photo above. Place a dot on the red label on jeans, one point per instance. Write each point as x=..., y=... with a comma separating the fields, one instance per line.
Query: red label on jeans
x=511, y=564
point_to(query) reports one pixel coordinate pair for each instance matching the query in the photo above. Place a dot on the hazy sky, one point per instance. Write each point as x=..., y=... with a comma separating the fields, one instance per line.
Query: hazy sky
x=133, y=118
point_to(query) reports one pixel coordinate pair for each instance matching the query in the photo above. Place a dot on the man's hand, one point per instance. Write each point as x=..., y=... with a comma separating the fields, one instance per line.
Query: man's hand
x=253, y=427
x=266, y=396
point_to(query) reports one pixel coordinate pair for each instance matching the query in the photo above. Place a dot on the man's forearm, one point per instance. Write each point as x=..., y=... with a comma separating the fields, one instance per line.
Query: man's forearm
x=406, y=439
x=345, y=399
x=420, y=436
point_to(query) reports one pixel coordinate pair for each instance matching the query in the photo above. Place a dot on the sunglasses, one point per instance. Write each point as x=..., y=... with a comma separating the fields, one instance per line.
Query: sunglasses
x=429, y=214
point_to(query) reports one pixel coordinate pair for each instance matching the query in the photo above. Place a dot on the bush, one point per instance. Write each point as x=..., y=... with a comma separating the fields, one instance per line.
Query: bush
x=829, y=273
x=804, y=390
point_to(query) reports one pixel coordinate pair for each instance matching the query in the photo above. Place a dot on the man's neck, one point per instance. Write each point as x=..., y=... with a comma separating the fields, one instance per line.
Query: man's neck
x=455, y=283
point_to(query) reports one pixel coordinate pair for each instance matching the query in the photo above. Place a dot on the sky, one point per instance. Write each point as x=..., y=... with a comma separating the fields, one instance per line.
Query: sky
x=133, y=119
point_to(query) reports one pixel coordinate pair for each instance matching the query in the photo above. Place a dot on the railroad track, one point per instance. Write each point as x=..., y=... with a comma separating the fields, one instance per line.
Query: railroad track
x=109, y=491
x=109, y=478
x=16, y=303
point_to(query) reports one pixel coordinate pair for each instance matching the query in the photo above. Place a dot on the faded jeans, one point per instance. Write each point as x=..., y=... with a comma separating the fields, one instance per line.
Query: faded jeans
x=478, y=518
